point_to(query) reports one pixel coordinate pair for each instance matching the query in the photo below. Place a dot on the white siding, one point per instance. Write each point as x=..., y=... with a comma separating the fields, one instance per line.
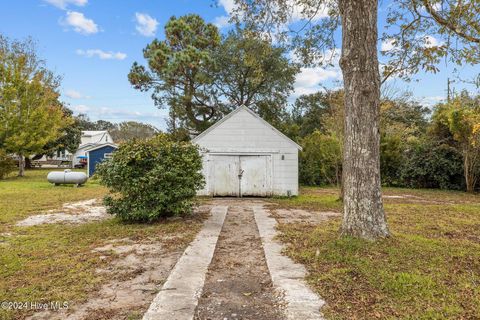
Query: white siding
x=243, y=133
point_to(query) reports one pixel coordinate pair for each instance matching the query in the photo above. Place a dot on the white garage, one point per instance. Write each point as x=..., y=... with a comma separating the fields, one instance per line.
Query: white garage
x=243, y=155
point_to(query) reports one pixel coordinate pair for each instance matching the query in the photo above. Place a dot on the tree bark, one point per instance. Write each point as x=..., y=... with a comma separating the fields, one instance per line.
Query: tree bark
x=28, y=163
x=363, y=215
x=467, y=172
x=21, y=165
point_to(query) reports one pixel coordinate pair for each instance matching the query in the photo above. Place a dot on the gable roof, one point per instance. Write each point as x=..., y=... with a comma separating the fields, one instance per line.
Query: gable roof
x=237, y=110
x=98, y=146
x=89, y=133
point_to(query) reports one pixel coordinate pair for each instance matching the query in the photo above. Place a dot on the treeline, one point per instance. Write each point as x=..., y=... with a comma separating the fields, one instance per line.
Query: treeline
x=120, y=132
x=201, y=75
x=421, y=147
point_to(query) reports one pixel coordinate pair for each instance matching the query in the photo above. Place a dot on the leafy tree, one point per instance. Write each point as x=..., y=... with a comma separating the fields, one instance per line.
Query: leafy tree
x=151, y=179
x=30, y=114
x=429, y=163
x=309, y=112
x=392, y=149
x=314, y=36
x=70, y=136
x=104, y=125
x=413, y=23
x=178, y=71
x=401, y=122
x=320, y=159
x=7, y=164
x=129, y=130
x=462, y=117
x=176, y=131
x=363, y=208
x=85, y=123
x=250, y=71
x=201, y=77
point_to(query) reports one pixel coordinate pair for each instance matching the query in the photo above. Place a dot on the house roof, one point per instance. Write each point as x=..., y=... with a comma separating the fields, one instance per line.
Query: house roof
x=86, y=145
x=88, y=133
x=237, y=110
x=98, y=146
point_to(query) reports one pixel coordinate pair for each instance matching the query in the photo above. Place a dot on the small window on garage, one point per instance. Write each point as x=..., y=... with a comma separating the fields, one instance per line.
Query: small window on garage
x=107, y=155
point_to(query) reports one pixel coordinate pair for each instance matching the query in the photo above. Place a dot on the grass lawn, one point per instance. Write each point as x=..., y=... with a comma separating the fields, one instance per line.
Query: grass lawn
x=428, y=269
x=55, y=262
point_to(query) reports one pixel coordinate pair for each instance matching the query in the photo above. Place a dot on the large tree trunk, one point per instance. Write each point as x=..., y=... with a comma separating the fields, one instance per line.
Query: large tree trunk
x=363, y=208
x=468, y=172
x=21, y=165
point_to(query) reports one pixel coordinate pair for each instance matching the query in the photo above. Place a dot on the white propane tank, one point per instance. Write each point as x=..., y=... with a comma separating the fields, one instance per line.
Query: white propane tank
x=67, y=177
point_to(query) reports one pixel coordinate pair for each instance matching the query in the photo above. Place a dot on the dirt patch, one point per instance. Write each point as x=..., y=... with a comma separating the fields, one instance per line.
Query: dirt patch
x=238, y=283
x=136, y=271
x=72, y=213
x=302, y=216
x=412, y=199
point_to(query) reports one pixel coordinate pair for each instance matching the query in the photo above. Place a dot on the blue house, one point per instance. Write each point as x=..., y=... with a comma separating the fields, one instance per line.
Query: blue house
x=97, y=154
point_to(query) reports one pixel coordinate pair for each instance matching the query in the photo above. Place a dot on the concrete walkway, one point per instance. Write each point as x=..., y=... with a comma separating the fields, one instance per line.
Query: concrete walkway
x=287, y=276
x=180, y=294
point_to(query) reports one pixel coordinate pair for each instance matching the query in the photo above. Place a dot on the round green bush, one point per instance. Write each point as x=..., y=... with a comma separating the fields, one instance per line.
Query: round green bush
x=151, y=179
x=7, y=164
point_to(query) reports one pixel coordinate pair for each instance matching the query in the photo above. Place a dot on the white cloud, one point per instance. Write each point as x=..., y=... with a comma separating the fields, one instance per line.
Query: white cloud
x=309, y=79
x=228, y=5
x=146, y=25
x=221, y=22
x=435, y=6
x=388, y=45
x=431, y=42
x=62, y=4
x=431, y=100
x=80, y=23
x=300, y=12
x=80, y=108
x=73, y=94
x=104, y=55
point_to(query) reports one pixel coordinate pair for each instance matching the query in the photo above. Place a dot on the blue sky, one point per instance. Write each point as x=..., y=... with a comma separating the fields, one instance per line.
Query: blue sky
x=93, y=43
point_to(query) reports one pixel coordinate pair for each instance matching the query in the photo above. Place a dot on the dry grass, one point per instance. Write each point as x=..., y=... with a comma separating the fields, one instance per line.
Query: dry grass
x=56, y=262
x=429, y=269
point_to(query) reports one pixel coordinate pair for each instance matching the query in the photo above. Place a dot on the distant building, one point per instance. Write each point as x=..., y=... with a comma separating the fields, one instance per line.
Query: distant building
x=97, y=154
x=243, y=155
x=90, y=139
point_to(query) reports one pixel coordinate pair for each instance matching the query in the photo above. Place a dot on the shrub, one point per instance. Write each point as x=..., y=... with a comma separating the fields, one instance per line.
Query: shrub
x=320, y=159
x=7, y=164
x=392, y=158
x=150, y=179
x=429, y=164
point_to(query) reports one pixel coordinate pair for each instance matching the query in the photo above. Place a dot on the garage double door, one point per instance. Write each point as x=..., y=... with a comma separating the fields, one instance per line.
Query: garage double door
x=240, y=175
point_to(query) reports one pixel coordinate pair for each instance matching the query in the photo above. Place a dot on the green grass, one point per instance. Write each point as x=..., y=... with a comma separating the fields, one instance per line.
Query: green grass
x=55, y=262
x=428, y=269
x=21, y=197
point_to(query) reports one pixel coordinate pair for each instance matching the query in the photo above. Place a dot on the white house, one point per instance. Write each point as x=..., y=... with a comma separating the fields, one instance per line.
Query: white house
x=243, y=155
x=90, y=139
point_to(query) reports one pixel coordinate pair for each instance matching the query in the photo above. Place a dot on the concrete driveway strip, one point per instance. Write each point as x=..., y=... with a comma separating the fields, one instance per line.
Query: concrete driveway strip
x=179, y=295
x=287, y=276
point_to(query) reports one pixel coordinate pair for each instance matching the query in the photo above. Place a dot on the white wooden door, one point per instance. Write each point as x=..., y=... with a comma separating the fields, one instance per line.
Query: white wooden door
x=255, y=176
x=224, y=175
